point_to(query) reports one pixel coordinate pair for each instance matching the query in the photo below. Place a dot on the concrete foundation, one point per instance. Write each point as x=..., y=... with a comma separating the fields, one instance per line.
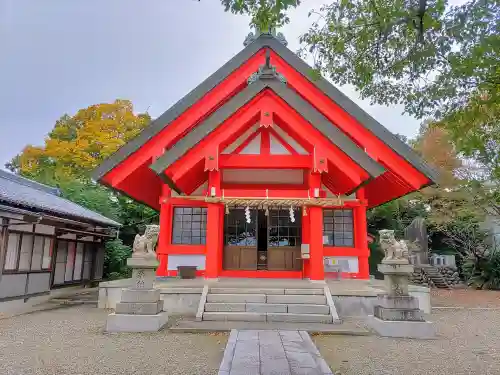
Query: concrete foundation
x=135, y=323
x=403, y=329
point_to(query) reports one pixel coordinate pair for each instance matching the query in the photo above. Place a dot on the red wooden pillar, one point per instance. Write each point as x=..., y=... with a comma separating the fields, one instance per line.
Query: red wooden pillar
x=361, y=236
x=306, y=225
x=165, y=235
x=213, y=250
x=213, y=262
x=317, y=268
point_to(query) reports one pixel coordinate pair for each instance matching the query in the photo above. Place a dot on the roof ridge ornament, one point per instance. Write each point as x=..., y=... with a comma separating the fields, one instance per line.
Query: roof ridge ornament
x=252, y=36
x=266, y=71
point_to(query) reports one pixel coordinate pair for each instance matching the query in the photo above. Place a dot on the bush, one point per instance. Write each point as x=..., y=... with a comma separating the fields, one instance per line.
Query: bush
x=483, y=272
x=115, y=260
x=376, y=256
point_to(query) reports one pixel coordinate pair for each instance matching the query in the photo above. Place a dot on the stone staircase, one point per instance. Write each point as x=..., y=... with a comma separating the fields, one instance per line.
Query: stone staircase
x=308, y=305
x=436, y=277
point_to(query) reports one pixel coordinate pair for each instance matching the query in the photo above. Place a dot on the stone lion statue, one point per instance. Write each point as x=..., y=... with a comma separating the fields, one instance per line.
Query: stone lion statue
x=144, y=245
x=393, y=248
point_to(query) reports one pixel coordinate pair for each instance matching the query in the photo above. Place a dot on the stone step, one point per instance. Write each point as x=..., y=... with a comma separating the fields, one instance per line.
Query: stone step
x=305, y=291
x=235, y=316
x=225, y=307
x=258, y=298
x=297, y=299
x=266, y=307
x=308, y=309
x=247, y=291
x=302, y=318
x=269, y=317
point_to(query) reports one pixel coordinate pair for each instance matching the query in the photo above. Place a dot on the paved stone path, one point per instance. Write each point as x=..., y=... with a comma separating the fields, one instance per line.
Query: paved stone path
x=279, y=352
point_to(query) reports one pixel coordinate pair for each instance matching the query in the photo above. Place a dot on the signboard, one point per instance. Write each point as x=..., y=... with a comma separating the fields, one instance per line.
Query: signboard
x=304, y=251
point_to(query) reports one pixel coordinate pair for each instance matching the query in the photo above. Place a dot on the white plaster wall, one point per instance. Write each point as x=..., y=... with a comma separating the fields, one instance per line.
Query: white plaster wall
x=253, y=148
x=258, y=176
x=20, y=227
x=347, y=264
x=292, y=142
x=45, y=229
x=233, y=146
x=186, y=260
x=276, y=147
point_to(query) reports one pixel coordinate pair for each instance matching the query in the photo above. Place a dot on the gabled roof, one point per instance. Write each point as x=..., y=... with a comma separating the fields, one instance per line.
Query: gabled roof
x=306, y=110
x=267, y=40
x=22, y=192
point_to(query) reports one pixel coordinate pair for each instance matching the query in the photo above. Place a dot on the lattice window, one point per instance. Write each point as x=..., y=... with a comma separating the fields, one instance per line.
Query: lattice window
x=338, y=228
x=190, y=226
x=237, y=232
x=282, y=231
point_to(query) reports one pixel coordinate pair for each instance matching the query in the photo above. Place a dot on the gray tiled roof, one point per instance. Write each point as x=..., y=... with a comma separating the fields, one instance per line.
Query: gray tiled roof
x=20, y=191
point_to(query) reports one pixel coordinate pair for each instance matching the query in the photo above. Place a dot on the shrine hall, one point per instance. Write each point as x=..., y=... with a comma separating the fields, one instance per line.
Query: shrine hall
x=265, y=171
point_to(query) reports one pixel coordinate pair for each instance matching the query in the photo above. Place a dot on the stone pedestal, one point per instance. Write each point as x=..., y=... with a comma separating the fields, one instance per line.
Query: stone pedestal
x=140, y=308
x=396, y=313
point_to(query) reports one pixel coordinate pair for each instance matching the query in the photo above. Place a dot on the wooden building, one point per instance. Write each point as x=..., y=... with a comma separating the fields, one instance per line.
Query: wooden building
x=264, y=171
x=46, y=241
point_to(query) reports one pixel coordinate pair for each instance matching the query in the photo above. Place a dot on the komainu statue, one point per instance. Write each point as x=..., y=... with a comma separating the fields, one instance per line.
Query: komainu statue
x=393, y=249
x=145, y=245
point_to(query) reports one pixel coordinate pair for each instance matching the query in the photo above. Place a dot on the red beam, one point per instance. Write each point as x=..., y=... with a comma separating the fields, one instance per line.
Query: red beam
x=265, y=162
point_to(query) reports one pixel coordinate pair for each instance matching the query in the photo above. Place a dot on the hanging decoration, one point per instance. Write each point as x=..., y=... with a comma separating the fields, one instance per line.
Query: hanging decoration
x=292, y=215
x=227, y=209
x=304, y=211
x=247, y=215
x=267, y=210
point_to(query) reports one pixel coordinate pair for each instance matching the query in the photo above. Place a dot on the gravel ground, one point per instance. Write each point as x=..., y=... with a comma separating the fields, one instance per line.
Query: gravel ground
x=465, y=298
x=468, y=343
x=71, y=341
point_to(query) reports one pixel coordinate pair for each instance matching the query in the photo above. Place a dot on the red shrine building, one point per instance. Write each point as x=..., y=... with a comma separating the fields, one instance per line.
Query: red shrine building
x=264, y=171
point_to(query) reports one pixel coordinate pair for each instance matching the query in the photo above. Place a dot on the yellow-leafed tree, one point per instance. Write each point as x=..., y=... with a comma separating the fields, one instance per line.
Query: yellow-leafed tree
x=79, y=143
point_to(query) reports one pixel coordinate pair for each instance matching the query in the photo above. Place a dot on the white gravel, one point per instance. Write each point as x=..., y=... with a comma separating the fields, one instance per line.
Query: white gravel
x=71, y=341
x=468, y=343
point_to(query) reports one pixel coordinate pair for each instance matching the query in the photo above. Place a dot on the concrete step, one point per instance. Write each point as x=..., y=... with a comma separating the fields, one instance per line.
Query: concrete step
x=297, y=299
x=305, y=291
x=235, y=316
x=266, y=307
x=225, y=307
x=247, y=291
x=352, y=328
x=308, y=309
x=302, y=318
x=257, y=298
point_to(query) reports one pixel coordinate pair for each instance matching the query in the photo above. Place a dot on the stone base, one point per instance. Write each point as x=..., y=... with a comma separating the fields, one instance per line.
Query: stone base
x=139, y=308
x=411, y=330
x=410, y=315
x=135, y=323
x=140, y=295
x=397, y=302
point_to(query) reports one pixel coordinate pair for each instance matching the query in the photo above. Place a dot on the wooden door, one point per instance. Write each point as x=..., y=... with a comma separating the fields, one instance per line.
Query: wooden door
x=240, y=240
x=284, y=259
x=283, y=252
x=240, y=258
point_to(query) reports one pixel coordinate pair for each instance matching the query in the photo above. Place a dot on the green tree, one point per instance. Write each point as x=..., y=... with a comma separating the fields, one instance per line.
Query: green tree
x=265, y=14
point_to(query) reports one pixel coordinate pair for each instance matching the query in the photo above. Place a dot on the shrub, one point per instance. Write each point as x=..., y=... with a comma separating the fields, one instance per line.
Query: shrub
x=115, y=260
x=483, y=272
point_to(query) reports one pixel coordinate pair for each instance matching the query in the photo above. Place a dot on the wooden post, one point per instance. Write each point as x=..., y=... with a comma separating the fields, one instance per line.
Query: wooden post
x=165, y=235
x=213, y=251
x=317, y=268
x=361, y=236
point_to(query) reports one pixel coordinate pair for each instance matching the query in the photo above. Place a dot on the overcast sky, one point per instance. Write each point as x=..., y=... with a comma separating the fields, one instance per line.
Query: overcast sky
x=58, y=56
